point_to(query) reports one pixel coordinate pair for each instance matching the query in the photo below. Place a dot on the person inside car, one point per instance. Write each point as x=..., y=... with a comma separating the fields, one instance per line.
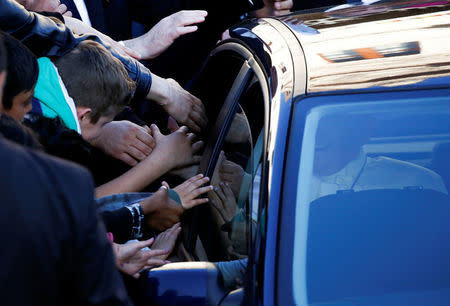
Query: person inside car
x=340, y=164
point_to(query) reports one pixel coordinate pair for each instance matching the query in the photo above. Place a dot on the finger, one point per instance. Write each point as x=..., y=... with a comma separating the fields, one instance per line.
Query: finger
x=172, y=124
x=199, y=182
x=193, y=126
x=193, y=179
x=227, y=190
x=68, y=14
x=62, y=8
x=145, y=139
x=200, y=110
x=191, y=137
x=190, y=17
x=183, y=129
x=155, y=131
x=156, y=262
x=147, y=129
x=187, y=29
x=220, y=193
x=126, y=158
x=196, y=202
x=146, y=243
x=198, y=118
x=283, y=5
x=136, y=275
x=135, y=153
x=165, y=184
x=197, y=146
x=154, y=253
x=202, y=190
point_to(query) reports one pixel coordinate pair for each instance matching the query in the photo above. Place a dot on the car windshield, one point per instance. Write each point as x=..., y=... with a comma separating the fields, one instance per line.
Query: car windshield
x=373, y=203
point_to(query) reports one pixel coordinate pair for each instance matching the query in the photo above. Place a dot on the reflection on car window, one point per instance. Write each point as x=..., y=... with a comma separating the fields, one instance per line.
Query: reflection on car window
x=378, y=199
x=236, y=177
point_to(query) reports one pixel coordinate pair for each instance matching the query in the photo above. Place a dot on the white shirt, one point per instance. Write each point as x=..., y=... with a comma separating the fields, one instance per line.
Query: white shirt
x=367, y=173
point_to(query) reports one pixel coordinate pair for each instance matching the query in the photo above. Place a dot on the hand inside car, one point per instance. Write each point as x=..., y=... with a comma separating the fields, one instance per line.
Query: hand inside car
x=130, y=258
x=223, y=203
x=126, y=141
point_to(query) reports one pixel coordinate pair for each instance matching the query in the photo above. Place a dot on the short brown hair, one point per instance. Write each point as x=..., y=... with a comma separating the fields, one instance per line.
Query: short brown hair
x=94, y=78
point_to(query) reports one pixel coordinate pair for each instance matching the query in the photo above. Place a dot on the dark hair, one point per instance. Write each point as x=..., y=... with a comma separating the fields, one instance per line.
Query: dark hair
x=2, y=54
x=95, y=79
x=15, y=131
x=23, y=70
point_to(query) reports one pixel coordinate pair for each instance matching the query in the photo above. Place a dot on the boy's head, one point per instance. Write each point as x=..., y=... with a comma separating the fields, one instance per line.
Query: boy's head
x=2, y=68
x=23, y=71
x=98, y=84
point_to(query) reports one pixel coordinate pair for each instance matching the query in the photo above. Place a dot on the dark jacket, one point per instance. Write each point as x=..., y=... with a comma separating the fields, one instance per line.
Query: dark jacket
x=54, y=249
x=46, y=36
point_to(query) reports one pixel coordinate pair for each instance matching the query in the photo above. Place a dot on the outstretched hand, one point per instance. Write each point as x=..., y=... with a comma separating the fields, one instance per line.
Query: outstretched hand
x=223, y=203
x=161, y=212
x=166, y=240
x=178, y=148
x=126, y=141
x=130, y=258
x=165, y=32
x=184, y=107
x=274, y=8
x=189, y=190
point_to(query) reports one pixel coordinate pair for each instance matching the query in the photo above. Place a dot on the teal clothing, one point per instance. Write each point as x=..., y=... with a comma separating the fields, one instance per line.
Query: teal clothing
x=53, y=96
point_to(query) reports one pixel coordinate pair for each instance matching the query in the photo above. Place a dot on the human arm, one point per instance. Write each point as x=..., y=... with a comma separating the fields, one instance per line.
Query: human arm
x=165, y=32
x=125, y=141
x=174, y=150
x=180, y=104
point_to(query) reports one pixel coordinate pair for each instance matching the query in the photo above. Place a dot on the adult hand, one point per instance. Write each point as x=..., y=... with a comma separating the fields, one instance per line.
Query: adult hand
x=274, y=8
x=184, y=107
x=160, y=211
x=166, y=240
x=178, y=148
x=232, y=174
x=126, y=141
x=165, y=32
x=223, y=203
x=130, y=258
x=189, y=190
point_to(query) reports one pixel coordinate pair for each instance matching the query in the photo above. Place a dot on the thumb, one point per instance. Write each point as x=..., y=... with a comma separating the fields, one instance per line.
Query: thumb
x=164, y=183
x=146, y=243
x=155, y=131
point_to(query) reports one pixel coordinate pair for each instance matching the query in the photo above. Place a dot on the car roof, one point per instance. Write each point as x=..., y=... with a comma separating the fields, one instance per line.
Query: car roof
x=386, y=44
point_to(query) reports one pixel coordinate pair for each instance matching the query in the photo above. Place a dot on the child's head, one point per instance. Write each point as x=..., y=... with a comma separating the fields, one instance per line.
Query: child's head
x=97, y=82
x=22, y=74
x=2, y=67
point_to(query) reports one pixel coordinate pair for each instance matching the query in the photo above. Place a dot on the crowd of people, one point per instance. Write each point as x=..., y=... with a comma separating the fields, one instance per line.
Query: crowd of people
x=75, y=83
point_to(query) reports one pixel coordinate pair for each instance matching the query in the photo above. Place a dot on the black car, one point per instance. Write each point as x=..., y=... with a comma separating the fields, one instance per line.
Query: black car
x=333, y=127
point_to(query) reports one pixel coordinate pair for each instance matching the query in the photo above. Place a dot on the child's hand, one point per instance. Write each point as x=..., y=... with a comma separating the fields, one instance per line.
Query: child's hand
x=191, y=189
x=130, y=258
x=178, y=148
x=166, y=240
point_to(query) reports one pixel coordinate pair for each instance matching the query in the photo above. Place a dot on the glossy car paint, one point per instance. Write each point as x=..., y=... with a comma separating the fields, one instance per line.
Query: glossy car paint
x=339, y=52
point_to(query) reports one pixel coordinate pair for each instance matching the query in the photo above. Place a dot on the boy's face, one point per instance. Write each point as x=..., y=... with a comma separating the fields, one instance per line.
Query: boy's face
x=90, y=130
x=21, y=105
